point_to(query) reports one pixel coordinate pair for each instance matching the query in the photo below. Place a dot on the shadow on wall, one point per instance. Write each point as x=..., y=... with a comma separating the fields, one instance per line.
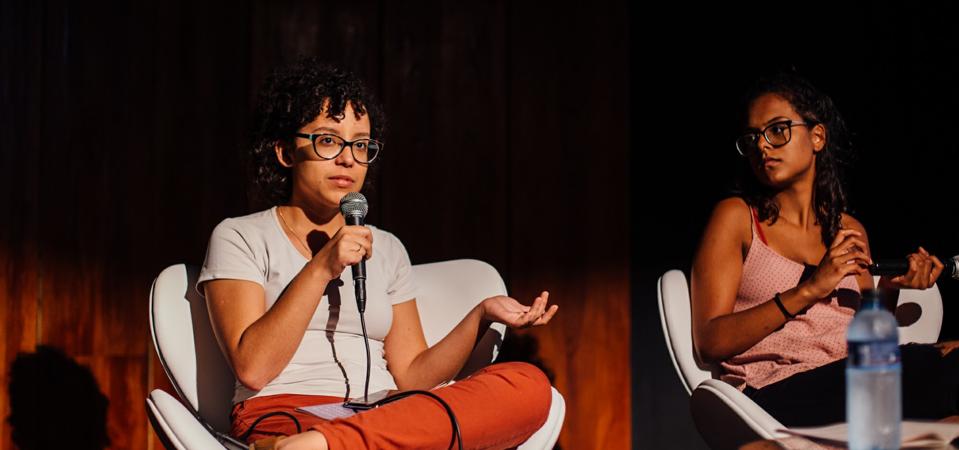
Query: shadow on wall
x=42, y=385
x=524, y=348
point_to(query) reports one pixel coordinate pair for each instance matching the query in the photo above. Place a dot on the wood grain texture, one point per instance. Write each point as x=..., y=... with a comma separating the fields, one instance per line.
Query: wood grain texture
x=570, y=212
x=123, y=380
x=20, y=270
x=443, y=188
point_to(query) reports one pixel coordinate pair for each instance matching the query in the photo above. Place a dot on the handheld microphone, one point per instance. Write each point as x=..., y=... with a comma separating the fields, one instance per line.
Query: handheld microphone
x=353, y=206
x=901, y=266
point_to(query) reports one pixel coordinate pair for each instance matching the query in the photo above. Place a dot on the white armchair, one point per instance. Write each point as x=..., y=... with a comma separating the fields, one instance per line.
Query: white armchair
x=724, y=416
x=189, y=353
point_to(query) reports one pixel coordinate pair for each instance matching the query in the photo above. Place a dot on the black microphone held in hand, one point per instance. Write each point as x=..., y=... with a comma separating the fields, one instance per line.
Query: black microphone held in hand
x=901, y=266
x=353, y=206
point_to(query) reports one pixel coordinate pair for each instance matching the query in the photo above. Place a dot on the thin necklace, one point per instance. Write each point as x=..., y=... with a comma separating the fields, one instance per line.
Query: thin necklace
x=288, y=227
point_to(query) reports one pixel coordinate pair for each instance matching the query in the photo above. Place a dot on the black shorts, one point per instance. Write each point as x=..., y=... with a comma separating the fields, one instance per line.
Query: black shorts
x=930, y=390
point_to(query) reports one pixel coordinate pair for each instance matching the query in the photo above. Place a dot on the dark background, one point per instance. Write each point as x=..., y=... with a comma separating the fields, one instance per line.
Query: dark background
x=891, y=69
x=581, y=147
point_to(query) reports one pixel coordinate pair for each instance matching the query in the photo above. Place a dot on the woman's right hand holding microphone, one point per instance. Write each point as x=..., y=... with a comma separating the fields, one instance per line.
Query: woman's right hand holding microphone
x=350, y=245
x=846, y=256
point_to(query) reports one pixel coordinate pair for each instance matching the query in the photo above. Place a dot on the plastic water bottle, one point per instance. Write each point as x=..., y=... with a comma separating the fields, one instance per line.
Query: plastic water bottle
x=873, y=378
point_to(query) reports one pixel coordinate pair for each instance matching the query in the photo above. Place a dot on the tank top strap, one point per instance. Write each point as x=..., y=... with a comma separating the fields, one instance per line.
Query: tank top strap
x=757, y=230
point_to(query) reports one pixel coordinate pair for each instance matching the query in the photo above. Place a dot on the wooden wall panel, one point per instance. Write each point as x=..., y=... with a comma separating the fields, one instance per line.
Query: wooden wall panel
x=570, y=228
x=195, y=150
x=20, y=270
x=123, y=381
x=346, y=34
x=443, y=187
x=194, y=143
x=86, y=159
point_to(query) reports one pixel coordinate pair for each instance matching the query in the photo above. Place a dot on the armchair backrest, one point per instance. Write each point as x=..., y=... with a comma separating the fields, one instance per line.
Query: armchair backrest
x=188, y=351
x=447, y=291
x=676, y=319
x=919, y=313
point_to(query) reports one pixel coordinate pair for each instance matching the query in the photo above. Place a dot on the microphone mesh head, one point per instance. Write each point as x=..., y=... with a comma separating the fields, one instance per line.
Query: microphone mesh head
x=354, y=204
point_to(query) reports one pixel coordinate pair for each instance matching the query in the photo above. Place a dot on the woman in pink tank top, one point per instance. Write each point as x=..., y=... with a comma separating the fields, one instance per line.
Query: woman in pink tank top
x=777, y=276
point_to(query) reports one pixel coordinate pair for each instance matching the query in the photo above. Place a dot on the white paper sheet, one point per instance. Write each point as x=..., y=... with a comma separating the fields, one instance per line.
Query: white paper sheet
x=329, y=411
x=915, y=434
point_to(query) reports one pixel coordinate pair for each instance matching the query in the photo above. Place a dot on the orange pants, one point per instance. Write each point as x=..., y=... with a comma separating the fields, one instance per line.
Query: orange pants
x=499, y=406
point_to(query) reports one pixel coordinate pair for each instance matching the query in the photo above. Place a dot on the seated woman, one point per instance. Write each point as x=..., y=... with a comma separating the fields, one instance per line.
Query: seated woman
x=778, y=273
x=284, y=311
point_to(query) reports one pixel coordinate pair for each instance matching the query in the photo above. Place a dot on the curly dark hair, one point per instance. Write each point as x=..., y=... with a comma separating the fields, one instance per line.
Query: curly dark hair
x=829, y=196
x=293, y=96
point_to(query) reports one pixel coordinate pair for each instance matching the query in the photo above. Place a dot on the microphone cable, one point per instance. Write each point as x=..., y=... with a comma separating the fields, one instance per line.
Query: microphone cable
x=456, y=438
x=256, y=422
x=353, y=207
x=366, y=343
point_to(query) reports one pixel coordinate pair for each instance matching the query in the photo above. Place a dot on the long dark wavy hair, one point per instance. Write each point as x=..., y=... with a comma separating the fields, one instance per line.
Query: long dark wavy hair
x=829, y=196
x=293, y=96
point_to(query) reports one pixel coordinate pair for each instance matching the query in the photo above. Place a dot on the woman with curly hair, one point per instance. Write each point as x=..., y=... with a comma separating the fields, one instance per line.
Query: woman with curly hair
x=780, y=268
x=292, y=334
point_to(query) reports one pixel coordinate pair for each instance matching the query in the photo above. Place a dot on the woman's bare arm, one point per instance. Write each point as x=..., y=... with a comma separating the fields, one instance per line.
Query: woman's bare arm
x=259, y=343
x=718, y=332
x=414, y=366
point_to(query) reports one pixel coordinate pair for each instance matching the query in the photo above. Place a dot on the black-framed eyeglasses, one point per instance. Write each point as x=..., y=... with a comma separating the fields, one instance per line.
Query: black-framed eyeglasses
x=776, y=134
x=329, y=146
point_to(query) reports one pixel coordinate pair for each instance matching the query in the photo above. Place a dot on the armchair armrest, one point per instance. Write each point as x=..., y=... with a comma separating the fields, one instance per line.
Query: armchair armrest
x=176, y=425
x=727, y=418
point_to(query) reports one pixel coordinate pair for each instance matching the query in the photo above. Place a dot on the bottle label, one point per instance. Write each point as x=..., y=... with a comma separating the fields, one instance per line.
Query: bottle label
x=873, y=354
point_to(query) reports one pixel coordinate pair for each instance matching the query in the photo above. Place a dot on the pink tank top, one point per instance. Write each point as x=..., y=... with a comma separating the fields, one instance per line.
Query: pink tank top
x=814, y=338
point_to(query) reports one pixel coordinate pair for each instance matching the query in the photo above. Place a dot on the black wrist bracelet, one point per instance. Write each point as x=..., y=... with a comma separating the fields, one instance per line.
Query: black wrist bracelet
x=779, y=302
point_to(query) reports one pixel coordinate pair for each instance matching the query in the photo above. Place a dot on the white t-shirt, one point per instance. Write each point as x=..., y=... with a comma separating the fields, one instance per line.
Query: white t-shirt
x=331, y=359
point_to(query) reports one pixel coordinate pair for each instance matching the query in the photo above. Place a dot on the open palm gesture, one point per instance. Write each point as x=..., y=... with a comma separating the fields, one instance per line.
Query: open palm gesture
x=508, y=311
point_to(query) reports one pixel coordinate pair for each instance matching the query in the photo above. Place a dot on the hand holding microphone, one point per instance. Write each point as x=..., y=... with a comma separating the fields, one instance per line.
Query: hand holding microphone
x=349, y=246
x=844, y=257
x=353, y=206
x=918, y=271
